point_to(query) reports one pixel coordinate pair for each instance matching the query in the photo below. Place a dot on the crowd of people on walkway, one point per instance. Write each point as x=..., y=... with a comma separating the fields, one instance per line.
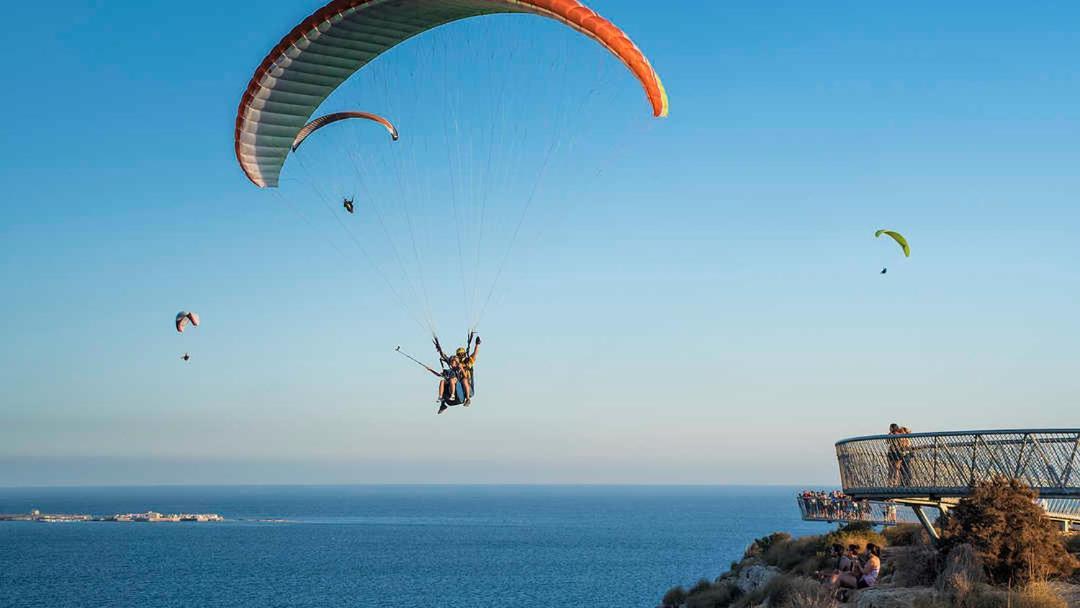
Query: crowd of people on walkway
x=837, y=506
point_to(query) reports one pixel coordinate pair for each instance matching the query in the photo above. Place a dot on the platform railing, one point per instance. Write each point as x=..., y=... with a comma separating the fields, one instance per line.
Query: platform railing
x=940, y=465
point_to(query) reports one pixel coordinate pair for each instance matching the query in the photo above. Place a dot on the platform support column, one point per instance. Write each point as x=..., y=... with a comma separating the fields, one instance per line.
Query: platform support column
x=929, y=525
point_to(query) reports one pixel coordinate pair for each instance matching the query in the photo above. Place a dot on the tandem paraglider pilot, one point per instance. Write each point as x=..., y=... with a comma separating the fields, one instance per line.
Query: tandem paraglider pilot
x=457, y=385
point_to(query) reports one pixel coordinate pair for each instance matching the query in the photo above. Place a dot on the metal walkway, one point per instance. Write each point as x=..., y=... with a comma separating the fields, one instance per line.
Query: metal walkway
x=936, y=469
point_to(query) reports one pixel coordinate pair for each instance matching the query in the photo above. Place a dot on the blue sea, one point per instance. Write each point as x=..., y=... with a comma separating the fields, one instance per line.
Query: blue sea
x=431, y=546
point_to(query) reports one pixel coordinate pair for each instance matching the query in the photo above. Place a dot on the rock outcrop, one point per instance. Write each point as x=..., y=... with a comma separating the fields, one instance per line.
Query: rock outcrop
x=754, y=577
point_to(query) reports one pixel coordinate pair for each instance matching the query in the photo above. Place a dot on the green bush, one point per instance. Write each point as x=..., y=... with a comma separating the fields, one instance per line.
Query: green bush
x=699, y=587
x=906, y=535
x=761, y=545
x=1009, y=532
x=676, y=596
x=799, y=555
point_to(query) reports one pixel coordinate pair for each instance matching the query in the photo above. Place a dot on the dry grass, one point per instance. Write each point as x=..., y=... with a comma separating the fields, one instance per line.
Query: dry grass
x=1035, y=595
x=797, y=592
x=984, y=596
x=935, y=602
x=1039, y=595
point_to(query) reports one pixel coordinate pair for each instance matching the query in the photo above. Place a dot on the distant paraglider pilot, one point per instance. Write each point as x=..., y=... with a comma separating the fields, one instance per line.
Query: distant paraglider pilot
x=900, y=240
x=183, y=319
x=348, y=204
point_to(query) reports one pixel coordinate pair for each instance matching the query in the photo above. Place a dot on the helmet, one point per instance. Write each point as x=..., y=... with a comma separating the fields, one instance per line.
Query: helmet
x=461, y=352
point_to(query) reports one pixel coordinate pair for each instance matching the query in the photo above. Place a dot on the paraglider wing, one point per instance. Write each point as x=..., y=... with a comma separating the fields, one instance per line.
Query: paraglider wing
x=342, y=37
x=330, y=119
x=183, y=318
x=899, y=238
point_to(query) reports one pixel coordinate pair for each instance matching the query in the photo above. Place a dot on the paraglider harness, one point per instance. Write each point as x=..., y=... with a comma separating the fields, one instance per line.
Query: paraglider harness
x=448, y=373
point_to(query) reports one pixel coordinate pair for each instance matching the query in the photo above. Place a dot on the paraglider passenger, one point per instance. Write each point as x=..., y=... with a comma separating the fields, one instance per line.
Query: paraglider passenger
x=448, y=384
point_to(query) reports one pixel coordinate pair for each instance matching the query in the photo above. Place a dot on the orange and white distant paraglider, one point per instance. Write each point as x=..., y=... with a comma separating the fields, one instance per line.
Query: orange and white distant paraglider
x=183, y=318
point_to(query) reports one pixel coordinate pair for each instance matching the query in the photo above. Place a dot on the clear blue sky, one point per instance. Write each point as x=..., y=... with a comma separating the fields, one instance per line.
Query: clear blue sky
x=714, y=311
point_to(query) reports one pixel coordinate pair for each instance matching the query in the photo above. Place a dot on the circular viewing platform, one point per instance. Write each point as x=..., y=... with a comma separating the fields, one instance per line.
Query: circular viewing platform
x=949, y=464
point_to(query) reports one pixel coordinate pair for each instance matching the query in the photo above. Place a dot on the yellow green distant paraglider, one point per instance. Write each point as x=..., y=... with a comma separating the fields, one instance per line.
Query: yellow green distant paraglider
x=900, y=240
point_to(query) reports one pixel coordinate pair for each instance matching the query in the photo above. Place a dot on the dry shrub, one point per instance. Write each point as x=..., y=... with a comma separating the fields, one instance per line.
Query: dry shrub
x=676, y=596
x=913, y=566
x=797, y=592
x=716, y=596
x=1008, y=531
x=906, y=535
x=1072, y=543
x=786, y=591
x=1039, y=595
x=962, y=574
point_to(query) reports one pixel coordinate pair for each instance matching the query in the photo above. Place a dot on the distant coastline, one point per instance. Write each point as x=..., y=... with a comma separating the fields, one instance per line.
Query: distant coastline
x=145, y=517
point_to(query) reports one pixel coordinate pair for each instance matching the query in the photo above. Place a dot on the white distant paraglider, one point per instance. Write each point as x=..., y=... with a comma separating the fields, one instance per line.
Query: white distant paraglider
x=183, y=318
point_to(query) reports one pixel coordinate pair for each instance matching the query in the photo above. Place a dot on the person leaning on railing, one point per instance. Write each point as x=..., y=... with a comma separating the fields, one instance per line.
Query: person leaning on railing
x=898, y=452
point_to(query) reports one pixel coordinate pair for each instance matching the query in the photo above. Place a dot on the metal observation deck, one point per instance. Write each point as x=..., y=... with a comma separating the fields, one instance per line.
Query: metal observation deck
x=936, y=469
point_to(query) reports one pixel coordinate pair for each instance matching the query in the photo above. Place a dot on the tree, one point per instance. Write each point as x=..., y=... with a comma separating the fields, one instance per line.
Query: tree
x=1009, y=532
